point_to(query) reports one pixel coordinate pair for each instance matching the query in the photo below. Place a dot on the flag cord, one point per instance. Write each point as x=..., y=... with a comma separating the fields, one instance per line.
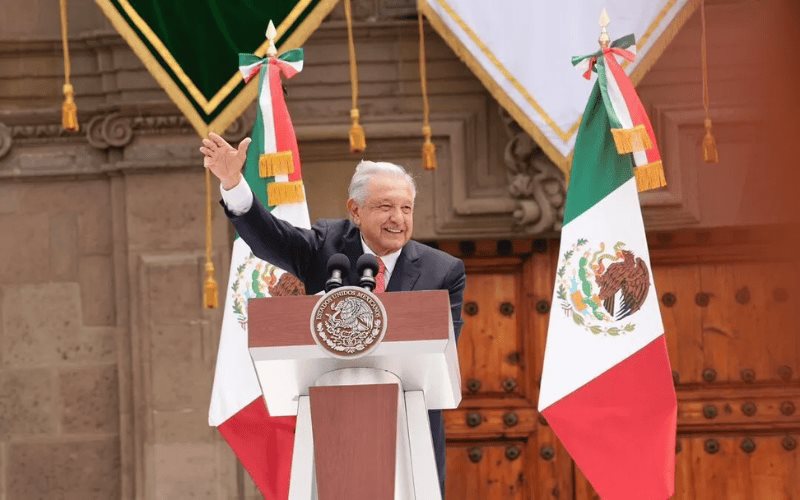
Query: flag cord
x=710, y=154
x=358, y=142
x=69, y=110
x=428, y=147
x=210, y=288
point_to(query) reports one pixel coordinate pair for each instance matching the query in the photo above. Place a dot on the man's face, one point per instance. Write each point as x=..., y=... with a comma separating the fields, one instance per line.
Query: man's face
x=386, y=218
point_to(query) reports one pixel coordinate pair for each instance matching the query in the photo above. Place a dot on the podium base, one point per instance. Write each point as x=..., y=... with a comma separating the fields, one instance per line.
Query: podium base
x=415, y=475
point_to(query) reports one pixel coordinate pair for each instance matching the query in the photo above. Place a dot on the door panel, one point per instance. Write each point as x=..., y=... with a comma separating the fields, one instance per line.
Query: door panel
x=729, y=315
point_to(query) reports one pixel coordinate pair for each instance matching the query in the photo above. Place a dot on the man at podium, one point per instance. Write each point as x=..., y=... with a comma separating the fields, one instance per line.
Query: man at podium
x=381, y=209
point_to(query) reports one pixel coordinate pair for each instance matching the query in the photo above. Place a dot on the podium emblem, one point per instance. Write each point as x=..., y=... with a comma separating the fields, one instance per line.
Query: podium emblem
x=348, y=322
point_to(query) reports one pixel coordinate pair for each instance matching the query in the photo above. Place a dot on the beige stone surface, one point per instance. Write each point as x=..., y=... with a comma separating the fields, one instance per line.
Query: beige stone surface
x=94, y=225
x=9, y=199
x=97, y=290
x=180, y=378
x=89, y=399
x=171, y=288
x=183, y=426
x=27, y=403
x=25, y=247
x=64, y=253
x=184, y=470
x=41, y=323
x=85, y=469
x=97, y=344
x=3, y=461
x=166, y=211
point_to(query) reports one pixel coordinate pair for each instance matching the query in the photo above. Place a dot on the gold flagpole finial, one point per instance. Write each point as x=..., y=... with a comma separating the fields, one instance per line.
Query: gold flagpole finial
x=604, y=21
x=271, y=35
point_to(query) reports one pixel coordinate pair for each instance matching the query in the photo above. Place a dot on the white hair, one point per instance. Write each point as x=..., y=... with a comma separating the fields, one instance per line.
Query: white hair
x=366, y=170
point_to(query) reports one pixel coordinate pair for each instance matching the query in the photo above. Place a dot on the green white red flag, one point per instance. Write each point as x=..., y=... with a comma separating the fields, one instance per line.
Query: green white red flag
x=607, y=389
x=263, y=444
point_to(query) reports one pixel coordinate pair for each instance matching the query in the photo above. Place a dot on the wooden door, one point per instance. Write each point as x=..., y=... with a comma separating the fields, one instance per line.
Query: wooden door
x=729, y=307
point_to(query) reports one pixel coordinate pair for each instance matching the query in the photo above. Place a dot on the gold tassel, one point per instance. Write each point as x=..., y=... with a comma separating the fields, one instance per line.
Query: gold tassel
x=210, y=288
x=710, y=154
x=358, y=141
x=69, y=110
x=272, y=164
x=633, y=139
x=428, y=150
x=281, y=193
x=428, y=147
x=650, y=176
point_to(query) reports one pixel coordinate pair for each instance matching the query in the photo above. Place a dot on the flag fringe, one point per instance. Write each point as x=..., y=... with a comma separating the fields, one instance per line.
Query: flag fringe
x=633, y=139
x=282, y=193
x=272, y=164
x=650, y=176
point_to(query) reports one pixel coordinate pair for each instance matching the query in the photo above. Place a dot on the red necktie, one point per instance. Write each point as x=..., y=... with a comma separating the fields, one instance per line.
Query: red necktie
x=380, y=278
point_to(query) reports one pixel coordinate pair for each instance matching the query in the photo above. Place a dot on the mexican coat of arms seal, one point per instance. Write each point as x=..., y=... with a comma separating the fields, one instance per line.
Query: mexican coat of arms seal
x=599, y=289
x=348, y=322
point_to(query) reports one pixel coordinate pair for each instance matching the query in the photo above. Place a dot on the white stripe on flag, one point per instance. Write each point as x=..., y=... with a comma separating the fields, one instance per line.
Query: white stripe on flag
x=573, y=355
x=235, y=381
x=265, y=102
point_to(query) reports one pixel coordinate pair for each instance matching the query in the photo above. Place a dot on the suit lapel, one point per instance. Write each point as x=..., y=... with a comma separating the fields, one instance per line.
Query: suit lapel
x=406, y=270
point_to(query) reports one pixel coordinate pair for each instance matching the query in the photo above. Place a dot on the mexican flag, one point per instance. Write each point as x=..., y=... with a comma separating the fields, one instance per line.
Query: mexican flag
x=607, y=388
x=262, y=443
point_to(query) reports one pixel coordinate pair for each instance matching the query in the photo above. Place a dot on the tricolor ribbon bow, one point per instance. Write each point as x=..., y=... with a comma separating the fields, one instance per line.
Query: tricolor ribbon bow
x=289, y=63
x=624, y=48
x=630, y=125
x=273, y=153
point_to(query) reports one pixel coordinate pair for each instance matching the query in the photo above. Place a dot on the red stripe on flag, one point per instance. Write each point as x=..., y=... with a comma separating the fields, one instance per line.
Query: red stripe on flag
x=264, y=446
x=620, y=427
x=285, y=139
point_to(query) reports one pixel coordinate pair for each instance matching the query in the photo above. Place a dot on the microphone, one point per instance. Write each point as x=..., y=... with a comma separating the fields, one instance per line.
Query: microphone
x=338, y=266
x=367, y=268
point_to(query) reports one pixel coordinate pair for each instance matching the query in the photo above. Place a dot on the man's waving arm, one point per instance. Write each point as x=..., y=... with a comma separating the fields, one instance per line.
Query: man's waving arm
x=270, y=238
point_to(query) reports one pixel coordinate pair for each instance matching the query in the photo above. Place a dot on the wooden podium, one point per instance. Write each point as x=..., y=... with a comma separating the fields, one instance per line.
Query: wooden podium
x=362, y=424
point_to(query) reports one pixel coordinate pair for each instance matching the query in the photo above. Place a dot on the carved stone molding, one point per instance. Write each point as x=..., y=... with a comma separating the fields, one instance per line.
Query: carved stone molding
x=38, y=131
x=534, y=182
x=112, y=130
x=5, y=140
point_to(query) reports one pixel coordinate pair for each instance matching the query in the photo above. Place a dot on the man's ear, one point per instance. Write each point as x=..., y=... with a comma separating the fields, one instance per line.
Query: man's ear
x=353, y=211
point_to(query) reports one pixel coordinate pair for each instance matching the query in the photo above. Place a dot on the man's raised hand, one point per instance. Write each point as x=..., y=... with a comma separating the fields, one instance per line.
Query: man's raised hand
x=224, y=161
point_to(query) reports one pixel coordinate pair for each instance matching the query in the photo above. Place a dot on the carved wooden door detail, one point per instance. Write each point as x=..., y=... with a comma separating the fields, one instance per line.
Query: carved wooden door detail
x=730, y=318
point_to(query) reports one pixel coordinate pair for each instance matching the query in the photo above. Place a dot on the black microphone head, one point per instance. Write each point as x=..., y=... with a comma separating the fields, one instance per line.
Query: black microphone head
x=339, y=262
x=367, y=261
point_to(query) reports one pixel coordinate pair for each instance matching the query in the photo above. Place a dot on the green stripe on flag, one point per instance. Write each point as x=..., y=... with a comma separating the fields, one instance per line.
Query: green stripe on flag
x=597, y=168
x=257, y=183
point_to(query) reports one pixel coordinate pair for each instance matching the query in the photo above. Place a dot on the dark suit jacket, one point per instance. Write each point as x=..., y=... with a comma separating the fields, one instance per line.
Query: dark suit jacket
x=305, y=253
